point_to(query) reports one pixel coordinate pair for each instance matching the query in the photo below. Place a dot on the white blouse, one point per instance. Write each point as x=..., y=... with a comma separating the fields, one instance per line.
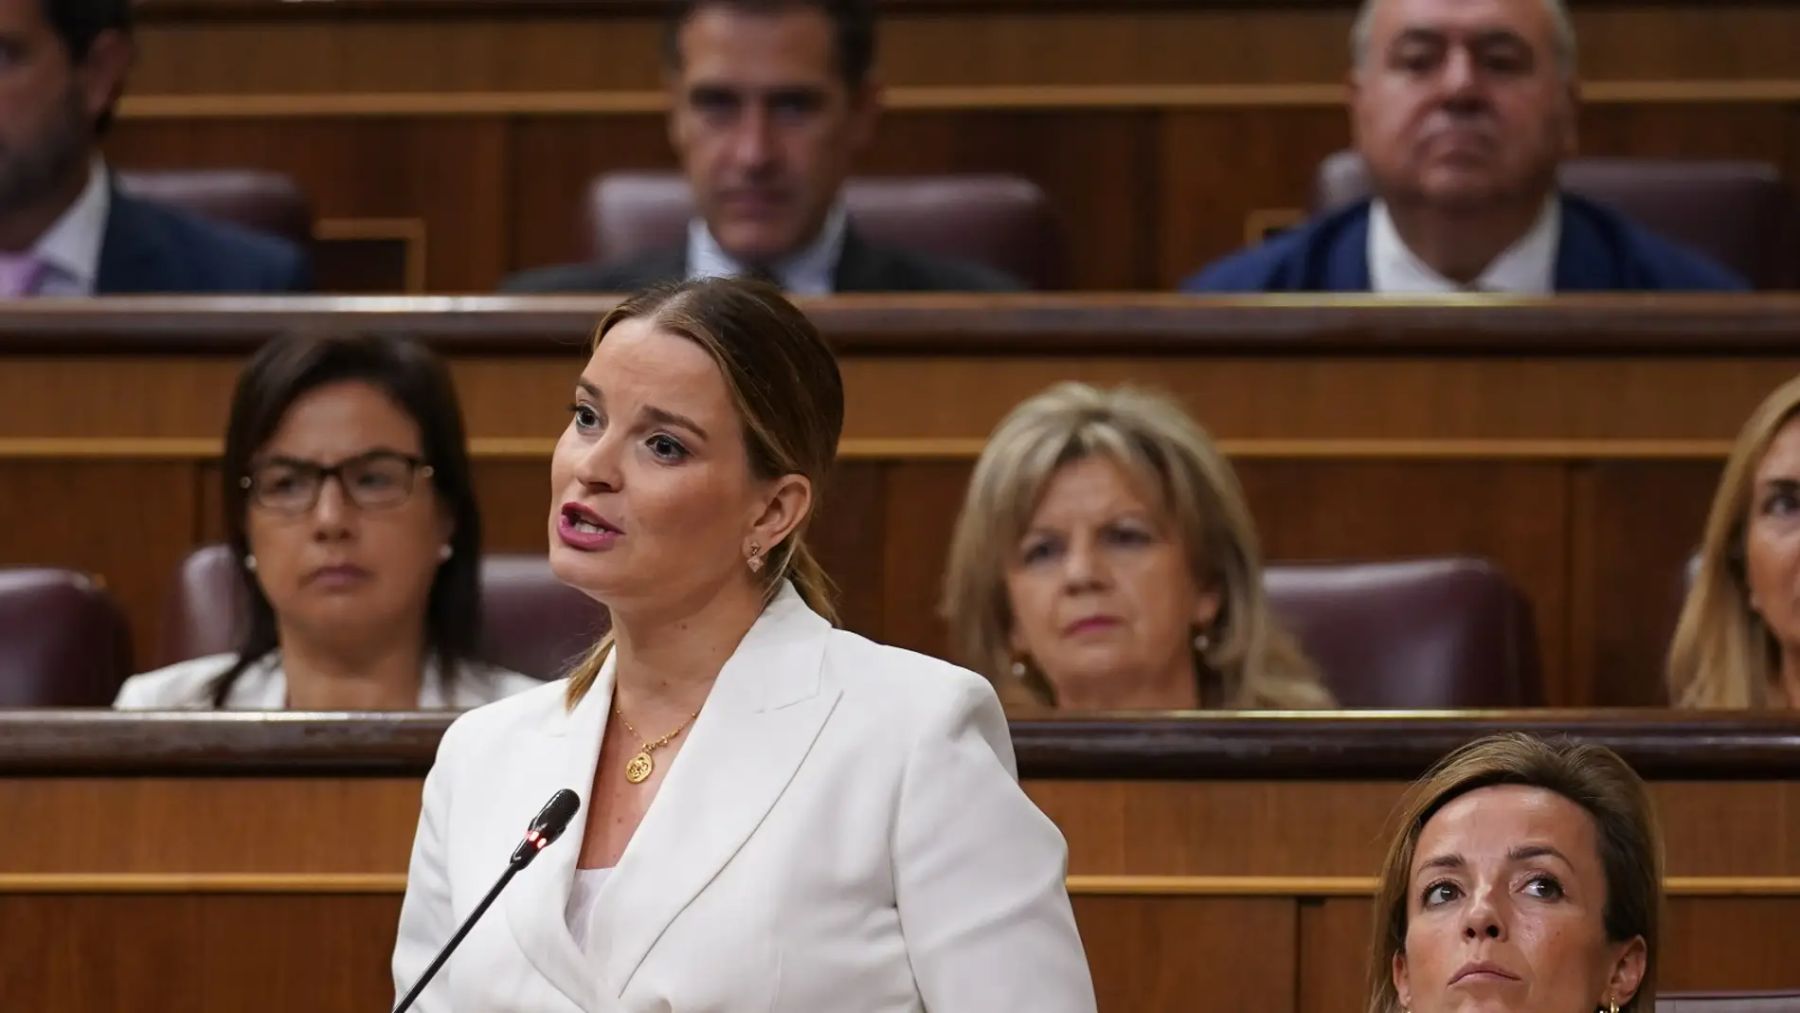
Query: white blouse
x=187, y=685
x=582, y=894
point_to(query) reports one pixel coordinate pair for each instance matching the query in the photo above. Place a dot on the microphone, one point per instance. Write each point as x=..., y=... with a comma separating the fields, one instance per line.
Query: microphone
x=545, y=828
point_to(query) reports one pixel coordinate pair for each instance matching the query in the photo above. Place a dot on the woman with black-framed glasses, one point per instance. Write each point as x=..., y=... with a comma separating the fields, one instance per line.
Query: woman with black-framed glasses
x=350, y=509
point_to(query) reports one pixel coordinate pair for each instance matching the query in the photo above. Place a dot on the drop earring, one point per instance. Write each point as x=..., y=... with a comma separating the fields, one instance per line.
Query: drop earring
x=755, y=559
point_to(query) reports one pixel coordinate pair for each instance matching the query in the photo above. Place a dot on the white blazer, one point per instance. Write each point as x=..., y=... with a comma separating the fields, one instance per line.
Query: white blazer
x=843, y=830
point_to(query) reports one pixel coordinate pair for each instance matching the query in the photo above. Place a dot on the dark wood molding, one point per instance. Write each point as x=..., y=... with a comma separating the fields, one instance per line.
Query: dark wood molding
x=1661, y=745
x=1032, y=325
x=176, y=10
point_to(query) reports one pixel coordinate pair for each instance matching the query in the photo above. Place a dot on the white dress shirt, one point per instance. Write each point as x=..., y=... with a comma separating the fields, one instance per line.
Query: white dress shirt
x=843, y=830
x=70, y=247
x=1527, y=267
x=811, y=271
x=187, y=685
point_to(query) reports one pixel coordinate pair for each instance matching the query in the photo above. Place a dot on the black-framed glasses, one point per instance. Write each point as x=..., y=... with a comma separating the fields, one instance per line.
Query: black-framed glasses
x=377, y=480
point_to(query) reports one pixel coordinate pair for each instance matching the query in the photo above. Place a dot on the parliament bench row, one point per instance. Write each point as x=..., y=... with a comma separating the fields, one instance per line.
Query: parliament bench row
x=1742, y=214
x=1216, y=861
x=1426, y=634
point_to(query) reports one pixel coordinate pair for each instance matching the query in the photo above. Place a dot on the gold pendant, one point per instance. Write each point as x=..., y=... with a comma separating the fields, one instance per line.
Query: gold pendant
x=638, y=770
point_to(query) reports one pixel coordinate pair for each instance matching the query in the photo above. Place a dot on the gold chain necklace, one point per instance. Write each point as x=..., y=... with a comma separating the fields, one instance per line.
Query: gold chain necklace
x=639, y=768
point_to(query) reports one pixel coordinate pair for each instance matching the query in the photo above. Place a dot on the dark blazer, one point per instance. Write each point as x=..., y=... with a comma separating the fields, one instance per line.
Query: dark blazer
x=1600, y=251
x=862, y=267
x=151, y=247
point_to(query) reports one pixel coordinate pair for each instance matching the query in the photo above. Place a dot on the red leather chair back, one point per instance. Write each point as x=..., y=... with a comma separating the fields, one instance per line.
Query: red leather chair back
x=1742, y=214
x=1729, y=1002
x=1004, y=222
x=531, y=622
x=63, y=641
x=1414, y=634
x=268, y=202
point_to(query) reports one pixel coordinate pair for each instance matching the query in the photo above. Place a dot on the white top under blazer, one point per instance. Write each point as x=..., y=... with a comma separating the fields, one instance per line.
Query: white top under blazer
x=843, y=830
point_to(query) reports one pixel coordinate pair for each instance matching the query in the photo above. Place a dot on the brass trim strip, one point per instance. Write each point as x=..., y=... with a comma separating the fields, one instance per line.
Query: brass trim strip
x=1079, y=885
x=950, y=97
x=163, y=448
x=159, y=882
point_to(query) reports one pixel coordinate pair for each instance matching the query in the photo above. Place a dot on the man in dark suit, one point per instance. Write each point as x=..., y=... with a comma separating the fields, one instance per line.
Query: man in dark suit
x=65, y=229
x=1462, y=110
x=770, y=101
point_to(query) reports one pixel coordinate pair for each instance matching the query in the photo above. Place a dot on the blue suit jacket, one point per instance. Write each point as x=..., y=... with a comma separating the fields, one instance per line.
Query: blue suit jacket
x=1600, y=251
x=151, y=247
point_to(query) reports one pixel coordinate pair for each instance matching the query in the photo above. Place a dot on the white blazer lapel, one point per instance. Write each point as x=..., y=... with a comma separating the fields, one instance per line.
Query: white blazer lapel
x=763, y=715
x=536, y=901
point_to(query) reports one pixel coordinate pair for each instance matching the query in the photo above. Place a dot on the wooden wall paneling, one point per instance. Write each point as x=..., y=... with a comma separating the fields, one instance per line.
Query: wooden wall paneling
x=1219, y=828
x=1513, y=513
x=1632, y=527
x=449, y=172
x=515, y=497
x=596, y=49
x=116, y=397
x=1098, y=167
x=1189, y=953
x=433, y=54
x=845, y=538
x=522, y=400
x=1333, y=958
x=191, y=825
x=1739, y=40
x=1220, y=165
x=1764, y=822
x=1737, y=130
x=554, y=157
x=186, y=953
x=1729, y=943
x=922, y=502
x=127, y=522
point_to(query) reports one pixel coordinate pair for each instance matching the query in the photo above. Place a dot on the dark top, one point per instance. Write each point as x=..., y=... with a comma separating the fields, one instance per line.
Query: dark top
x=151, y=247
x=1599, y=251
x=862, y=267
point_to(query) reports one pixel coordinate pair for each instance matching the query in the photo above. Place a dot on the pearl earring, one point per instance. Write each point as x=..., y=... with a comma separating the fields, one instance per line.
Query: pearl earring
x=445, y=551
x=250, y=563
x=1202, y=642
x=1018, y=668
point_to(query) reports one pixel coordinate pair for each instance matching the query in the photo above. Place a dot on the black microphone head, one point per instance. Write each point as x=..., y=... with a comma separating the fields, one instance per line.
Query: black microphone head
x=548, y=825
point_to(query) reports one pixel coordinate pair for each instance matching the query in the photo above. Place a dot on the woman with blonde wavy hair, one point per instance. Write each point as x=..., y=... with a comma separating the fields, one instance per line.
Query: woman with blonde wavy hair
x=779, y=815
x=1737, y=643
x=1105, y=560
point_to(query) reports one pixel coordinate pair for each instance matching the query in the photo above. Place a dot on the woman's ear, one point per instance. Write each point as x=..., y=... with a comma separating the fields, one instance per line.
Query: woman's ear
x=1630, y=962
x=787, y=504
x=446, y=524
x=1402, y=983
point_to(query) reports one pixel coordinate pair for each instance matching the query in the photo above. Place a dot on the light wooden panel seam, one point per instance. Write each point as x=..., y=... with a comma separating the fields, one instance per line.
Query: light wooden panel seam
x=1088, y=886
x=960, y=448
x=920, y=98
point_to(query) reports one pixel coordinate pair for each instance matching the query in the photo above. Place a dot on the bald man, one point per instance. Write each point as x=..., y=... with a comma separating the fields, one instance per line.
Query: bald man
x=1463, y=110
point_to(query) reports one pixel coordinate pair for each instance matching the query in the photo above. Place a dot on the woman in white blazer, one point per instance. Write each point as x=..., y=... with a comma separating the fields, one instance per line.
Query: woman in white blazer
x=778, y=815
